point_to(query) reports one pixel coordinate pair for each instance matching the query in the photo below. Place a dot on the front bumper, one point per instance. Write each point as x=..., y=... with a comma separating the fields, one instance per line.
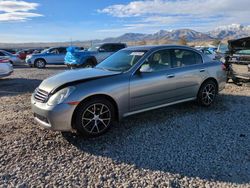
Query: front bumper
x=57, y=118
x=6, y=74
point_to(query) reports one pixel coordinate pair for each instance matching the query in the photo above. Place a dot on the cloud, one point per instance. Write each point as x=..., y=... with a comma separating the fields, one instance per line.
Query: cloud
x=12, y=10
x=182, y=12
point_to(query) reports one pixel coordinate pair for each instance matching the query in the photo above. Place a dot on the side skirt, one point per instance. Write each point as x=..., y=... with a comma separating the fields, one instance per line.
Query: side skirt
x=159, y=106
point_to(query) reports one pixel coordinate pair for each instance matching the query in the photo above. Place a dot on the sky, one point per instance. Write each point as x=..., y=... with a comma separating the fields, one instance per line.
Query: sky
x=65, y=20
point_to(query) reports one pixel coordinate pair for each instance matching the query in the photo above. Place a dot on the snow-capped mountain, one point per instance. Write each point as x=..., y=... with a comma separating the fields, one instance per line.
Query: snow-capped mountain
x=230, y=31
x=175, y=35
x=188, y=34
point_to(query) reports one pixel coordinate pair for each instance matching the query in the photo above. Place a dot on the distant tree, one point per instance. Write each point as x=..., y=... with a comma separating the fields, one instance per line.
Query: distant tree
x=216, y=42
x=183, y=41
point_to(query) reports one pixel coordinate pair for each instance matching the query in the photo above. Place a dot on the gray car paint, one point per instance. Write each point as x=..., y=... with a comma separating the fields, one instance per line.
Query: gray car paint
x=5, y=69
x=15, y=60
x=132, y=91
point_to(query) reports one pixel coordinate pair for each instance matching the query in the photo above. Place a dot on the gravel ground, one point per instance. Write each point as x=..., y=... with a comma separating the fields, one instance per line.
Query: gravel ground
x=179, y=146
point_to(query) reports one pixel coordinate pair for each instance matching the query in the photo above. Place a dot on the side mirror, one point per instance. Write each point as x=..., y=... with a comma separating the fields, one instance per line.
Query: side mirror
x=145, y=68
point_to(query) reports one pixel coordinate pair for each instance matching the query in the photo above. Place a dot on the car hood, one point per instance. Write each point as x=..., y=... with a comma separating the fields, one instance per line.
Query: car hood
x=71, y=77
x=239, y=44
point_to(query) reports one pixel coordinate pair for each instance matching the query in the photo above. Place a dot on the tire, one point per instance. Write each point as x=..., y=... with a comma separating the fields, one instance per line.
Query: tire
x=88, y=64
x=207, y=93
x=94, y=117
x=40, y=63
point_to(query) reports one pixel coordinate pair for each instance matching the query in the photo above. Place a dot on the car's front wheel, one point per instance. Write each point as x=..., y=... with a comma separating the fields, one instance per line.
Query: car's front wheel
x=94, y=117
x=207, y=93
x=40, y=63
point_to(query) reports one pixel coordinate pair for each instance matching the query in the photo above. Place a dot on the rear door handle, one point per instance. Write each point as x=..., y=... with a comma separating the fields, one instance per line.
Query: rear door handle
x=170, y=76
x=202, y=70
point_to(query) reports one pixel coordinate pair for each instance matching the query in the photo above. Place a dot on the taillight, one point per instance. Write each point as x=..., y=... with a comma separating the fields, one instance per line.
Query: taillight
x=223, y=67
x=4, y=61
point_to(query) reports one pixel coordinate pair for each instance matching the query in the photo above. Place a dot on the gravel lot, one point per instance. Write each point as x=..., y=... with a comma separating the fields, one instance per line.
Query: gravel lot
x=179, y=146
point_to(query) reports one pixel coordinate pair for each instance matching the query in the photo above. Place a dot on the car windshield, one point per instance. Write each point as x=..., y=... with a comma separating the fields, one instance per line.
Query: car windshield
x=94, y=48
x=45, y=51
x=121, y=61
x=223, y=48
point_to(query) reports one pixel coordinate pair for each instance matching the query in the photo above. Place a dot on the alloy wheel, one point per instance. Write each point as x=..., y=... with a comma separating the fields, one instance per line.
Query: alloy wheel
x=208, y=94
x=96, y=118
x=40, y=64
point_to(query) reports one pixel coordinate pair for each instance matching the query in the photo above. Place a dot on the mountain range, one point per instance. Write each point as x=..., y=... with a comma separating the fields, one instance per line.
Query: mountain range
x=221, y=33
x=232, y=31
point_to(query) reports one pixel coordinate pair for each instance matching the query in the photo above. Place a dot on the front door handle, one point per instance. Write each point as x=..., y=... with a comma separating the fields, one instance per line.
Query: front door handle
x=202, y=70
x=170, y=76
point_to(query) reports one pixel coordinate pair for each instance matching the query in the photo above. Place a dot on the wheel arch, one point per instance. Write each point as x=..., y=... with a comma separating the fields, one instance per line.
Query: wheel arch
x=97, y=96
x=92, y=59
x=210, y=79
x=40, y=58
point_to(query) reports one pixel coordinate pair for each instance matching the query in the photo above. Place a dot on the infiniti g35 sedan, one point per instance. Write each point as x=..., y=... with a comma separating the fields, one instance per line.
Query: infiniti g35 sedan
x=131, y=81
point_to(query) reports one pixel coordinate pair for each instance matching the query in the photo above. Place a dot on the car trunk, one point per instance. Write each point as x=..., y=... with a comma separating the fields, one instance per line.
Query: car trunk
x=240, y=62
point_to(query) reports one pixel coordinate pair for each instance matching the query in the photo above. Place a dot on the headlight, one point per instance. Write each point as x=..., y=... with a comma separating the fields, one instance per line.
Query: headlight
x=60, y=96
x=28, y=56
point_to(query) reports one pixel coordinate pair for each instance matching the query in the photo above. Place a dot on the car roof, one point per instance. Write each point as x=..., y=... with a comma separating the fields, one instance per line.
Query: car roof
x=156, y=47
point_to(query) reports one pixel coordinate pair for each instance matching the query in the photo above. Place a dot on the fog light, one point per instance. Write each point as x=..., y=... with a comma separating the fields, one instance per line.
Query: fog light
x=44, y=119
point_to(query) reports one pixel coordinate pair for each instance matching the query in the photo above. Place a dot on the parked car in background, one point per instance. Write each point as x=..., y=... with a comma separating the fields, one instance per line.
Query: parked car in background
x=210, y=53
x=6, y=67
x=221, y=51
x=50, y=56
x=237, y=59
x=93, y=55
x=23, y=53
x=14, y=59
x=12, y=51
x=131, y=81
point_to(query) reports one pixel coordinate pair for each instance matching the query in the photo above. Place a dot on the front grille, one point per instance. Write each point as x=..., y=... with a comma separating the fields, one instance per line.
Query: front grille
x=41, y=96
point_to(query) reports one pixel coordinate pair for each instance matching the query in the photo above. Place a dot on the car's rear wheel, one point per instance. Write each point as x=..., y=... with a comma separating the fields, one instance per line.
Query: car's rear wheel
x=95, y=117
x=40, y=63
x=207, y=93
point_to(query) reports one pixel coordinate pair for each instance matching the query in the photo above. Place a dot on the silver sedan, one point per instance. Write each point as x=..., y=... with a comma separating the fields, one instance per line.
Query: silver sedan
x=130, y=81
x=6, y=67
x=14, y=59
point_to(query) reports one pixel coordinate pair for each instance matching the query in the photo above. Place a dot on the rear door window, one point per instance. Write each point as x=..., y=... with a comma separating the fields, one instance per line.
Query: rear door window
x=183, y=58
